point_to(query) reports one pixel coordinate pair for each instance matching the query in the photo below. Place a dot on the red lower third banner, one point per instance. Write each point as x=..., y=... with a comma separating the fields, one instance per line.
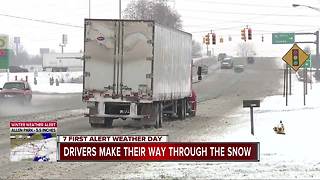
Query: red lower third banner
x=167, y=151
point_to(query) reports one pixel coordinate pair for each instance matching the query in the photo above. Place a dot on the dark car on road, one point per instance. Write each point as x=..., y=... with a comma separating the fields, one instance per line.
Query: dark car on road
x=226, y=63
x=300, y=76
x=15, y=69
x=17, y=91
x=250, y=60
x=238, y=68
x=221, y=56
x=204, y=69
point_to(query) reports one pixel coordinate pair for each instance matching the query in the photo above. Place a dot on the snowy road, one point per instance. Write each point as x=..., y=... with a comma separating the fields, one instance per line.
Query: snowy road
x=220, y=117
x=42, y=103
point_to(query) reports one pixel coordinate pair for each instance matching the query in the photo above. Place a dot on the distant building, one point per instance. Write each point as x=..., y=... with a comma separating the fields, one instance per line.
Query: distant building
x=58, y=62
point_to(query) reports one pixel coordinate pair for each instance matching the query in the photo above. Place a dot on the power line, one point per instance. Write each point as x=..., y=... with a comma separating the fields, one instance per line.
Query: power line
x=259, y=23
x=243, y=4
x=255, y=14
x=219, y=20
x=41, y=21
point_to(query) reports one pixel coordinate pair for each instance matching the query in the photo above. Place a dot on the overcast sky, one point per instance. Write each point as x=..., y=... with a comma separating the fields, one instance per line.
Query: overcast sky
x=224, y=17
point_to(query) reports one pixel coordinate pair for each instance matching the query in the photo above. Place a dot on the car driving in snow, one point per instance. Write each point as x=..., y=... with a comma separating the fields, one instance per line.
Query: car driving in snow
x=300, y=76
x=226, y=63
x=250, y=60
x=19, y=91
x=221, y=56
x=238, y=68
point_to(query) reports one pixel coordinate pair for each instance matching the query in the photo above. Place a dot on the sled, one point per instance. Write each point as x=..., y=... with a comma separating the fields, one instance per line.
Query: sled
x=279, y=130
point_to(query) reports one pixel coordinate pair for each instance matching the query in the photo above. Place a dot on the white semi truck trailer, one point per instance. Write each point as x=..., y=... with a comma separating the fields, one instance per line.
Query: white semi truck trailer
x=136, y=69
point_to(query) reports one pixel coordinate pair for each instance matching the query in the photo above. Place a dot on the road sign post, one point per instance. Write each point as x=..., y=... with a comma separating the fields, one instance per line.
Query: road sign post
x=251, y=104
x=296, y=58
x=287, y=67
x=317, y=55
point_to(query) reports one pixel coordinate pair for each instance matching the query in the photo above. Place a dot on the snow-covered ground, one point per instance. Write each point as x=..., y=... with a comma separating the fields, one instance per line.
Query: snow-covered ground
x=293, y=155
x=43, y=85
x=301, y=125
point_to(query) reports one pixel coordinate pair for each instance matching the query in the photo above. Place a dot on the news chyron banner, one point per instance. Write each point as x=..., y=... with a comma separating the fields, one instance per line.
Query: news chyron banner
x=33, y=141
x=151, y=148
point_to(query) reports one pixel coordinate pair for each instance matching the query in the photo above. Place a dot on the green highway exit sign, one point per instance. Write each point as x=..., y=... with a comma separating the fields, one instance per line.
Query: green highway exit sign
x=283, y=38
x=308, y=62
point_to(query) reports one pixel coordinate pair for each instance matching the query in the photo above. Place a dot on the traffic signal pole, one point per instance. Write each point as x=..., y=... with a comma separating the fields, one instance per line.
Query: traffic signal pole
x=317, y=74
x=317, y=49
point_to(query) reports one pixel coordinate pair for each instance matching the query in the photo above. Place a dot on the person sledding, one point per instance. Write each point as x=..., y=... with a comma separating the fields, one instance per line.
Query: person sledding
x=279, y=129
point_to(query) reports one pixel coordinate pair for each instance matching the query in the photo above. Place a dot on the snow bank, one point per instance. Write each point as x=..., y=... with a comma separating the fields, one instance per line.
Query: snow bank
x=43, y=84
x=300, y=143
x=294, y=155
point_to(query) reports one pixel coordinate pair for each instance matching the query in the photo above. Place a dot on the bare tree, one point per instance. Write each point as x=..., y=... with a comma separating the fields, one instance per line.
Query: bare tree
x=20, y=58
x=157, y=10
x=245, y=49
x=307, y=49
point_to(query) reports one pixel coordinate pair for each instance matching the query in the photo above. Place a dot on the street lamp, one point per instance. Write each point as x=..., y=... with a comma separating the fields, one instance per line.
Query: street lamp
x=310, y=7
x=317, y=75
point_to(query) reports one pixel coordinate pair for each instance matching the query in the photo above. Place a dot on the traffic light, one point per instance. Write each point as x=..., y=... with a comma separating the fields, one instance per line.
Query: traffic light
x=221, y=40
x=206, y=39
x=262, y=38
x=295, y=57
x=213, y=38
x=243, y=34
x=230, y=38
x=249, y=34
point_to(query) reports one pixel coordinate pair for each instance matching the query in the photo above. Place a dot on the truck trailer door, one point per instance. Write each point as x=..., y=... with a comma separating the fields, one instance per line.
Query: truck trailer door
x=100, y=55
x=118, y=56
x=136, y=57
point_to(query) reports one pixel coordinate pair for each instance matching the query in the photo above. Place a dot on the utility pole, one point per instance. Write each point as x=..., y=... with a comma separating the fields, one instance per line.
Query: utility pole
x=119, y=9
x=62, y=45
x=317, y=54
x=89, y=9
x=17, y=43
x=64, y=42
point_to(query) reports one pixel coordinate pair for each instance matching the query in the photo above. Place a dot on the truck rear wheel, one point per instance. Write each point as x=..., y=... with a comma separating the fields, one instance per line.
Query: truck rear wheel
x=157, y=114
x=95, y=122
x=190, y=110
x=108, y=122
x=182, y=109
